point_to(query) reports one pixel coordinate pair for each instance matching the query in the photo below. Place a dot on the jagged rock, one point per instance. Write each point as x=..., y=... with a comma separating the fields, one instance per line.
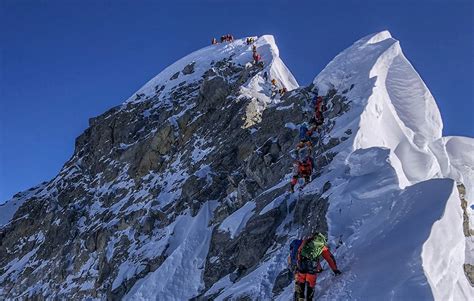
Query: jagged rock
x=282, y=280
x=326, y=186
x=175, y=76
x=246, y=190
x=189, y=68
x=469, y=271
x=310, y=212
x=213, y=92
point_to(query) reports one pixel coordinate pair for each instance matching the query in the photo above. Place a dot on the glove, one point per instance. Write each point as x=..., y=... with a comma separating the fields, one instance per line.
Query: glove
x=337, y=272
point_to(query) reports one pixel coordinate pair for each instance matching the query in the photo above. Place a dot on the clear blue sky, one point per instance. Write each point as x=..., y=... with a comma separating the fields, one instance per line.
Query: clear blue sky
x=63, y=62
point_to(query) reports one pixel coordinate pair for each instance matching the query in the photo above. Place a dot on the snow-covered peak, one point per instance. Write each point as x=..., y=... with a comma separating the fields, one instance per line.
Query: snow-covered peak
x=200, y=61
x=393, y=108
x=378, y=37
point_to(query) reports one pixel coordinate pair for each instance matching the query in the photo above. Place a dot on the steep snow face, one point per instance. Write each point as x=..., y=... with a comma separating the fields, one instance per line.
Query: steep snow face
x=389, y=96
x=179, y=277
x=444, y=250
x=392, y=109
x=456, y=160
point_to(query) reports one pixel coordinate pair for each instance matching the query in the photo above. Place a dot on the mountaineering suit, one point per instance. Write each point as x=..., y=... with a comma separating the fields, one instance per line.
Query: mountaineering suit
x=305, y=137
x=318, y=119
x=274, y=88
x=301, y=169
x=256, y=58
x=308, y=265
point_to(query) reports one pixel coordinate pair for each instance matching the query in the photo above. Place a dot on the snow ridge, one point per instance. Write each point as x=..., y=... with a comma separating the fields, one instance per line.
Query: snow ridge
x=393, y=109
x=202, y=59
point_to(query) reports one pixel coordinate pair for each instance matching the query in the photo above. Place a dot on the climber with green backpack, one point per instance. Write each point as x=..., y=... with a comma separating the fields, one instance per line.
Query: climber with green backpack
x=306, y=264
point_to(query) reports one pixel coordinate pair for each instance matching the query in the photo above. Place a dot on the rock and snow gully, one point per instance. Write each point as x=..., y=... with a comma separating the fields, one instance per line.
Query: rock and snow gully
x=181, y=192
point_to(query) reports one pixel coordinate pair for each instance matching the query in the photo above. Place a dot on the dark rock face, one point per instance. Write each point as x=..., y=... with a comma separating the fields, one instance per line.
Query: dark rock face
x=468, y=232
x=140, y=167
x=189, y=68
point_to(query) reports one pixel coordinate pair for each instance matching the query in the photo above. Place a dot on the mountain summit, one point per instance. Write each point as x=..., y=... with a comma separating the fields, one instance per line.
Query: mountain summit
x=182, y=192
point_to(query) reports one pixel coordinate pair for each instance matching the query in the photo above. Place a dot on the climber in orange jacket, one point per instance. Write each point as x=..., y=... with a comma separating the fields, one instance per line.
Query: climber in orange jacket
x=301, y=169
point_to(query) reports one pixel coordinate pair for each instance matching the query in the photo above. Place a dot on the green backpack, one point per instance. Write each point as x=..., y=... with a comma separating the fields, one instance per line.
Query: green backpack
x=314, y=247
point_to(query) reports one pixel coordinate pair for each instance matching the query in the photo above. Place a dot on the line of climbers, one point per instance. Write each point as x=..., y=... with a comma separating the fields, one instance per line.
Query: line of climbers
x=304, y=262
x=257, y=61
x=224, y=38
x=276, y=89
x=303, y=164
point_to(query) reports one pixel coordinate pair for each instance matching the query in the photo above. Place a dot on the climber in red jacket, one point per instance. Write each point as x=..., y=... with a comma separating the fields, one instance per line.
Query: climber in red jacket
x=318, y=119
x=308, y=265
x=256, y=58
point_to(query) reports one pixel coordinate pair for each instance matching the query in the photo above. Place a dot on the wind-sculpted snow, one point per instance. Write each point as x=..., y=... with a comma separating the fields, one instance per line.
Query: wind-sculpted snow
x=179, y=276
x=444, y=253
x=392, y=108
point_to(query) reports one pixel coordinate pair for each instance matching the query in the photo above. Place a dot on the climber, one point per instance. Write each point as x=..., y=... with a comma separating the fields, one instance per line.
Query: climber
x=274, y=88
x=302, y=168
x=256, y=58
x=254, y=48
x=305, y=137
x=227, y=38
x=310, y=251
x=250, y=40
x=213, y=41
x=282, y=91
x=318, y=119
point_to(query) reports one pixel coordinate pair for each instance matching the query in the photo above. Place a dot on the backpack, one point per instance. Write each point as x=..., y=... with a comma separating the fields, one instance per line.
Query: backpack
x=314, y=247
x=293, y=258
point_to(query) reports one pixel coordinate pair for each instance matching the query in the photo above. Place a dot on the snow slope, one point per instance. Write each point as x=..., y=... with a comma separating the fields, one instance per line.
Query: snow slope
x=179, y=277
x=240, y=53
x=394, y=110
